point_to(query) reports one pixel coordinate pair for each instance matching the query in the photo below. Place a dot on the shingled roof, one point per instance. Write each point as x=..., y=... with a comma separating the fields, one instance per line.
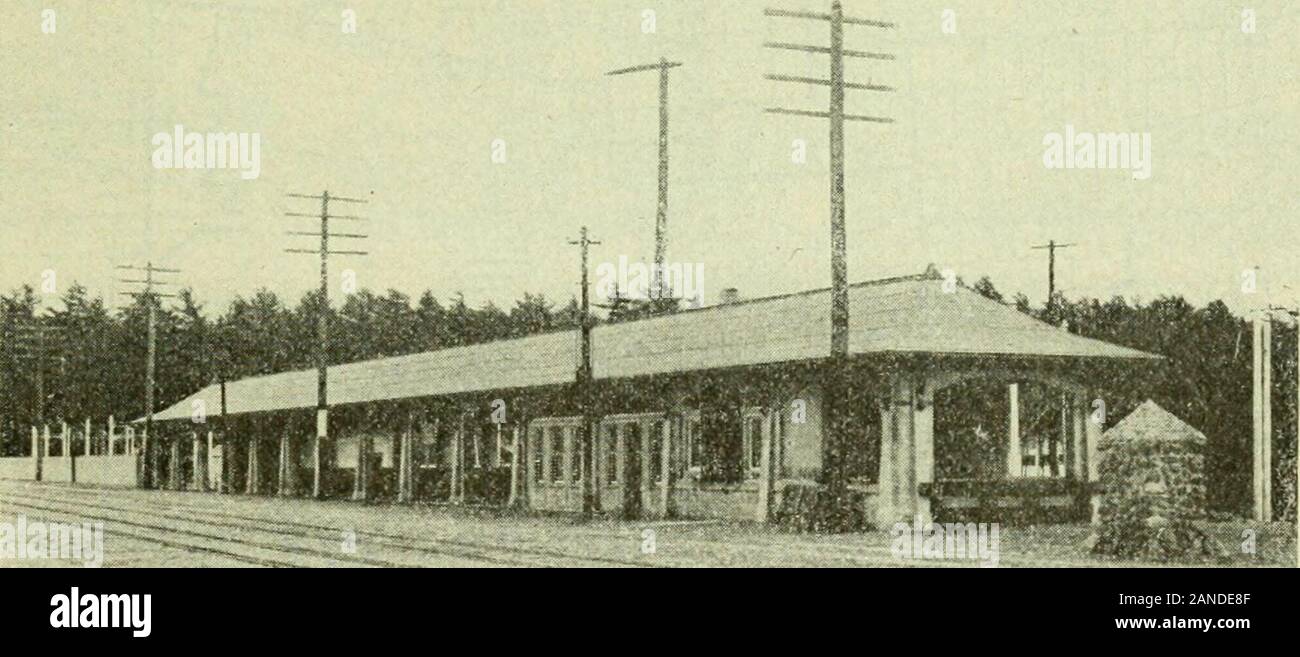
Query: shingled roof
x=1152, y=423
x=906, y=315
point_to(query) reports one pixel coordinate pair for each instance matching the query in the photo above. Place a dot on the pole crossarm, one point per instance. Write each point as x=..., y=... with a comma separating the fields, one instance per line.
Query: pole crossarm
x=311, y=234
x=827, y=83
x=658, y=66
x=827, y=115
x=321, y=197
x=861, y=54
x=847, y=20
x=147, y=268
x=151, y=295
x=144, y=282
x=317, y=252
x=345, y=217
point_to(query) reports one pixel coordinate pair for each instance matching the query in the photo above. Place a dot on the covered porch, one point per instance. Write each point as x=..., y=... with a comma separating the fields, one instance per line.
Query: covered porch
x=989, y=439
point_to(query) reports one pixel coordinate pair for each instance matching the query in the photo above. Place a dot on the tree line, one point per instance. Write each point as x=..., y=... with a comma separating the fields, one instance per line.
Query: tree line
x=94, y=356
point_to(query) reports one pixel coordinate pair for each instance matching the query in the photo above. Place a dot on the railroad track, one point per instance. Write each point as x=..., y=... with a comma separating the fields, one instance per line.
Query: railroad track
x=155, y=540
x=473, y=552
x=770, y=551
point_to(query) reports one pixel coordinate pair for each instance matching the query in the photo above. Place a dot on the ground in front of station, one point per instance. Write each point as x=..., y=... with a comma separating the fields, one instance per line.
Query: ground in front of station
x=191, y=529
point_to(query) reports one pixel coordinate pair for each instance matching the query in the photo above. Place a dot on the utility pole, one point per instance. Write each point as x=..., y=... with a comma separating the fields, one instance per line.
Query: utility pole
x=322, y=319
x=835, y=441
x=153, y=455
x=661, y=219
x=29, y=343
x=1053, y=319
x=1262, y=412
x=1051, y=247
x=585, y=383
x=1296, y=458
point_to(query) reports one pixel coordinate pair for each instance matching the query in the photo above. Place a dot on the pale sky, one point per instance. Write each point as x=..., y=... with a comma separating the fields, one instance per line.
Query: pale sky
x=404, y=113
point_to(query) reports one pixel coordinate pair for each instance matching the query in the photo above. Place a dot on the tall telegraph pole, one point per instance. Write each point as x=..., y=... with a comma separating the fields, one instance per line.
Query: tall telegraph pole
x=322, y=317
x=585, y=386
x=833, y=456
x=1051, y=247
x=30, y=342
x=661, y=218
x=153, y=455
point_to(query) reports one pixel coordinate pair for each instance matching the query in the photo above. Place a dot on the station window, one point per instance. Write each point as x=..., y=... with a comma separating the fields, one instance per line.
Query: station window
x=695, y=445
x=634, y=464
x=657, y=451
x=1041, y=457
x=539, y=465
x=575, y=453
x=609, y=454
x=755, y=452
x=557, y=454
x=723, y=457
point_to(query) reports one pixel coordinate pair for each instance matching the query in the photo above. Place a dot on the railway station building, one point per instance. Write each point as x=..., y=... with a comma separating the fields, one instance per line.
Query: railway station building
x=713, y=412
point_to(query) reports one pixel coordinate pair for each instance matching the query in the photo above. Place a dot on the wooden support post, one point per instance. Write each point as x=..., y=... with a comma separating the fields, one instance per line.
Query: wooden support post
x=458, y=462
x=199, y=469
x=767, y=480
x=69, y=453
x=516, y=465
x=526, y=476
x=1266, y=415
x=361, y=483
x=406, y=463
x=923, y=439
x=1092, y=438
x=209, y=454
x=229, y=460
x=1055, y=447
x=1067, y=433
x=112, y=436
x=647, y=477
x=287, y=484
x=666, y=484
x=36, y=453
x=321, y=462
x=154, y=452
x=571, y=460
x=1257, y=418
x=907, y=453
x=887, y=484
x=252, y=479
x=174, y=479
x=86, y=437
x=1014, y=459
x=1079, y=466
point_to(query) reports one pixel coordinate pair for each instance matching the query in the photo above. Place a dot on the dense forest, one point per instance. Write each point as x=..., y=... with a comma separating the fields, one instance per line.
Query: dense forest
x=94, y=356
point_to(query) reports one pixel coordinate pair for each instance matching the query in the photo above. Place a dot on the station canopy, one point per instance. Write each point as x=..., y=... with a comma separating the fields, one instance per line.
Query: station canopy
x=909, y=315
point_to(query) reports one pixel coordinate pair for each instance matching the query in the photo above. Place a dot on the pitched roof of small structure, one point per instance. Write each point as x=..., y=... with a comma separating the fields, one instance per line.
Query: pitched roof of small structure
x=1151, y=422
